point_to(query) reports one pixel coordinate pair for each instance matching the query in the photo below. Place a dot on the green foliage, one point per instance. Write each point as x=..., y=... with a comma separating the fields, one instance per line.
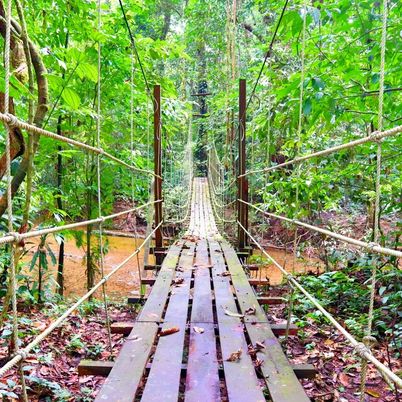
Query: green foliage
x=344, y=294
x=49, y=390
x=75, y=345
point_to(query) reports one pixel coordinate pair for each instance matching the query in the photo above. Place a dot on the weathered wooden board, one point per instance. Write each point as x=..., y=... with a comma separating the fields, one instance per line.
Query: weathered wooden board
x=122, y=383
x=202, y=380
x=164, y=377
x=240, y=376
x=280, y=378
x=156, y=302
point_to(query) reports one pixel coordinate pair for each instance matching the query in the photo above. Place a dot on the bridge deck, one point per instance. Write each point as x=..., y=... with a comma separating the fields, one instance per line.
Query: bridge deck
x=202, y=293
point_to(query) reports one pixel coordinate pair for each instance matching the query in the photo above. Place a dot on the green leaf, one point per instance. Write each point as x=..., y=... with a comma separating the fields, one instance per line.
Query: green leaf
x=89, y=71
x=71, y=98
x=307, y=107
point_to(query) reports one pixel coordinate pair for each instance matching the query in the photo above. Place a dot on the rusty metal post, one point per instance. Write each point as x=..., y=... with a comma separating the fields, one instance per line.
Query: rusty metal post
x=158, y=172
x=242, y=182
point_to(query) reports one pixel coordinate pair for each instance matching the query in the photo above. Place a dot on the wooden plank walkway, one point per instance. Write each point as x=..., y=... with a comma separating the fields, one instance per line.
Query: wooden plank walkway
x=191, y=339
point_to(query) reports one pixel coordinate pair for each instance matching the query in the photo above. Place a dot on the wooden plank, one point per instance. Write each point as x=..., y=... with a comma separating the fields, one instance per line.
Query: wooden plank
x=262, y=300
x=280, y=329
x=202, y=380
x=125, y=328
x=95, y=367
x=271, y=300
x=153, y=308
x=304, y=371
x=124, y=379
x=240, y=376
x=103, y=368
x=258, y=282
x=280, y=378
x=164, y=377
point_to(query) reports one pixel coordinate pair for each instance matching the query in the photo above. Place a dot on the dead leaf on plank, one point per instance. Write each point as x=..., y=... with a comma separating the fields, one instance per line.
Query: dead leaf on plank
x=203, y=265
x=225, y=273
x=250, y=311
x=253, y=350
x=169, y=331
x=258, y=363
x=191, y=238
x=198, y=330
x=235, y=356
x=232, y=314
x=178, y=281
x=133, y=338
x=259, y=345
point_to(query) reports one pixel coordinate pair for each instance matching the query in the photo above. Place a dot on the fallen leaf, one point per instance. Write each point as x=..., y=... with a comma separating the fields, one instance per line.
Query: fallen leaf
x=235, y=356
x=191, y=238
x=259, y=345
x=231, y=314
x=373, y=393
x=178, y=281
x=203, y=265
x=344, y=379
x=135, y=338
x=258, y=363
x=169, y=331
x=225, y=273
x=250, y=311
x=199, y=330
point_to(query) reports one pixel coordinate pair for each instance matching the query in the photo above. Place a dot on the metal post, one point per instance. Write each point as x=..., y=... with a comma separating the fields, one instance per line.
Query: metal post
x=242, y=182
x=158, y=171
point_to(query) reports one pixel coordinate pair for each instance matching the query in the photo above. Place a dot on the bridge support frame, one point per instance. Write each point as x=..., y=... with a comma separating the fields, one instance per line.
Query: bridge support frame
x=158, y=171
x=242, y=182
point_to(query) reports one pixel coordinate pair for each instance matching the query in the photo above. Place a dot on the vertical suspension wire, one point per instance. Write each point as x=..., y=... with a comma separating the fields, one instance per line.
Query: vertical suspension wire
x=298, y=139
x=99, y=183
x=299, y=124
x=368, y=339
x=132, y=130
x=13, y=260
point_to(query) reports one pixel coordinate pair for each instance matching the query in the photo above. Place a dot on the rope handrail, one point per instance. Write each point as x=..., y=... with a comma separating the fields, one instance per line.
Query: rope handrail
x=12, y=120
x=214, y=193
x=23, y=353
x=359, y=347
x=373, y=137
x=18, y=237
x=373, y=247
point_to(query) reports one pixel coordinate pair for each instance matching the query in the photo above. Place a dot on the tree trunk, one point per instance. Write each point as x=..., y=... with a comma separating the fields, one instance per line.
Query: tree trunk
x=41, y=109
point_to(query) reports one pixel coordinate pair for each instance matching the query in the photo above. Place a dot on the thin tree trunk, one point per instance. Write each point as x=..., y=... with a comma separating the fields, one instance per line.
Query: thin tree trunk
x=60, y=263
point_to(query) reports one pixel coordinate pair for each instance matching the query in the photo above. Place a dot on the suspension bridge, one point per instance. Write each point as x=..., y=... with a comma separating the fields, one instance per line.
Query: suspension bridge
x=202, y=333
